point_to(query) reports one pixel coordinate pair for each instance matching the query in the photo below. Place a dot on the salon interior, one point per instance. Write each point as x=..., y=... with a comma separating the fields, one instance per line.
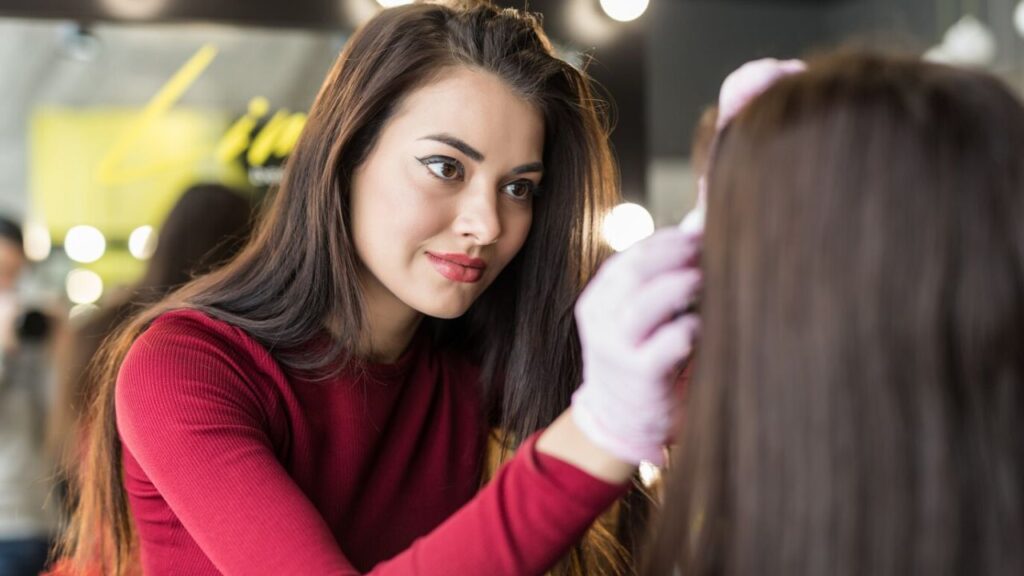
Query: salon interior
x=113, y=109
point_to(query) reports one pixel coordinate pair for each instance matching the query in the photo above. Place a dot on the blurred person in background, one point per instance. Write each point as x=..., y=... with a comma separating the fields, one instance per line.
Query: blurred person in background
x=321, y=405
x=206, y=227
x=858, y=399
x=29, y=510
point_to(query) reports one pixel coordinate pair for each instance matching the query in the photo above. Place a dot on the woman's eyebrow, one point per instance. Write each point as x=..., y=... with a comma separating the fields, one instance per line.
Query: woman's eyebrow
x=528, y=168
x=477, y=156
x=458, y=144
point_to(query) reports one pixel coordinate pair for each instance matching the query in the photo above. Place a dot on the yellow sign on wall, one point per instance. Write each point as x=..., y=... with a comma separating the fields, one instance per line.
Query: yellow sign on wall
x=67, y=147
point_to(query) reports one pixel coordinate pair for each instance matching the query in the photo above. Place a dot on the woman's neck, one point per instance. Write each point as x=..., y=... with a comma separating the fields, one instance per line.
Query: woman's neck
x=390, y=323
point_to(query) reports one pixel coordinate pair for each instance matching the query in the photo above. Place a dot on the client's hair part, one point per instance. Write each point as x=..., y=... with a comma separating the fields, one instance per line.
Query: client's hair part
x=858, y=404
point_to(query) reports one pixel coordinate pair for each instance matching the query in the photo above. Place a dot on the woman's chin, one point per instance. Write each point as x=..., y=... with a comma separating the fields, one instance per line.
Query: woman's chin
x=445, y=307
x=445, y=312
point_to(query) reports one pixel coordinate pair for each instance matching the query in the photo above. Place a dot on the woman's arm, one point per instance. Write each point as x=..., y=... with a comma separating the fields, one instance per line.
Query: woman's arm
x=564, y=440
x=198, y=431
x=196, y=428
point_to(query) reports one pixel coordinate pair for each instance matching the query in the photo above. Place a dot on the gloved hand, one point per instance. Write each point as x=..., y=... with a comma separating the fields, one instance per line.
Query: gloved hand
x=634, y=338
x=746, y=83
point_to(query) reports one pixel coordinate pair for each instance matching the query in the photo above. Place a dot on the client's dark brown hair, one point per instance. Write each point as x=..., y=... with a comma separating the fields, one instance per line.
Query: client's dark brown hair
x=858, y=406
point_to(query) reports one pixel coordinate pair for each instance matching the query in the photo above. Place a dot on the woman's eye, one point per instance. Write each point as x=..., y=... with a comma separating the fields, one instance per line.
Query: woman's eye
x=520, y=190
x=443, y=168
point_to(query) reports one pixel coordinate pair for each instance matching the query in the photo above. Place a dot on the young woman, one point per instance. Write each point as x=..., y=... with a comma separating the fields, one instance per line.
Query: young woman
x=320, y=405
x=859, y=393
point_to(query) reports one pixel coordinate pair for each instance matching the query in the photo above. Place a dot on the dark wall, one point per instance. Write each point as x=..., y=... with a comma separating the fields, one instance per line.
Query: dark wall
x=694, y=44
x=901, y=24
x=920, y=24
x=620, y=68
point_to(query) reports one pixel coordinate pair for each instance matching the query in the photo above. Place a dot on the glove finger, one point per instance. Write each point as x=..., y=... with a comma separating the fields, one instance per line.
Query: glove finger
x=621, y=275
x=693, y=223
x=658, y=301
x=606, y=291
x=667, y=249
x=793, y=66
x=670, y=345
x=748, y=82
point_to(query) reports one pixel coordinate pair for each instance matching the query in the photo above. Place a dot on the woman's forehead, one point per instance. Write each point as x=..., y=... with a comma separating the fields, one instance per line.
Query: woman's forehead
x=477, y=107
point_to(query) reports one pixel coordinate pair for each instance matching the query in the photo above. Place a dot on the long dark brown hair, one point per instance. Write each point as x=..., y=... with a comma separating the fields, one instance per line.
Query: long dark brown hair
x=858, y=405
x=299, y=271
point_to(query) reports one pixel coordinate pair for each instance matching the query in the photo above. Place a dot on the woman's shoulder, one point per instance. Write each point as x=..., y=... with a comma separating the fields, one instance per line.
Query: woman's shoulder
x=188, y=341
x=190, y=326
x=189, y=320
x=187, y=363
x=189, y=371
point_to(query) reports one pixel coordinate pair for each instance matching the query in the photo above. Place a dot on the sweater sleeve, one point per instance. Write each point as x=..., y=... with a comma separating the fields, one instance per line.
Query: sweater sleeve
x=522, y=522
x=197, y=426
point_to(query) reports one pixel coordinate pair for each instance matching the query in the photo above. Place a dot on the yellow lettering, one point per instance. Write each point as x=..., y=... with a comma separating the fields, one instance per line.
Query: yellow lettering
x=107, y=172
x=238, y=136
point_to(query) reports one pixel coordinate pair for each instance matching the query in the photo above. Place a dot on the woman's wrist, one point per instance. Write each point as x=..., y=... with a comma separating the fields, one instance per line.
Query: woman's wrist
x=564, y=440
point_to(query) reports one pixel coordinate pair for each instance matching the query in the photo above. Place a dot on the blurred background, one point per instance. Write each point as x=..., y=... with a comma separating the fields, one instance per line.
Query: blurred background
x=110, y=109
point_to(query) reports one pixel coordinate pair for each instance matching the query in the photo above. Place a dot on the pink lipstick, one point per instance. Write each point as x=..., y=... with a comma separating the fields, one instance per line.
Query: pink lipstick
x=458, y=267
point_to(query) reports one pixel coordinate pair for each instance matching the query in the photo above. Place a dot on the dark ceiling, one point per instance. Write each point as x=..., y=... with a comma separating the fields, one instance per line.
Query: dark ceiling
x=294, y=13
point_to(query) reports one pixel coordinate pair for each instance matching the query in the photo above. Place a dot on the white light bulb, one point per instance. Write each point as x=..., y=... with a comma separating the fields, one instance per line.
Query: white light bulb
x=135, y=9
x=938, y=55
x=37, y=242
x=141, y=242
x=624, y=10
x=970, y=42
x=649, y=473
x=81, y=311
x=626, y=225
x=1018, y=18
x=83, y=286
x=84, y=244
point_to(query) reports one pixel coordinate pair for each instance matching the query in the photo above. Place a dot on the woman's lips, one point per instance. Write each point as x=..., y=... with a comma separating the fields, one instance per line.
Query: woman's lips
x=458, y=267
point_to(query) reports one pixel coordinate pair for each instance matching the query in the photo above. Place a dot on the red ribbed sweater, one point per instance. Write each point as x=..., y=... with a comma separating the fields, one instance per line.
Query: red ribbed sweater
x=231, y=467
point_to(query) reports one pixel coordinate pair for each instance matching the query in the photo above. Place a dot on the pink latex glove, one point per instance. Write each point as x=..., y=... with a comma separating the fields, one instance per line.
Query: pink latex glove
x=634, y=339
x=746, y=83
x=750, y=81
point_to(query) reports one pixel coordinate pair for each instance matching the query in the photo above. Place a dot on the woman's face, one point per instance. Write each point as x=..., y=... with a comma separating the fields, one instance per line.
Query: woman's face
x=445, y=199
